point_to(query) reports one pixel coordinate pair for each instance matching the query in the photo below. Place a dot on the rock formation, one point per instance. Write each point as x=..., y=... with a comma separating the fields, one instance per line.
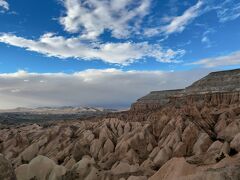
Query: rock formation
x=6, y=169
x=221, y=82
x=183, y=135
x=155, y=99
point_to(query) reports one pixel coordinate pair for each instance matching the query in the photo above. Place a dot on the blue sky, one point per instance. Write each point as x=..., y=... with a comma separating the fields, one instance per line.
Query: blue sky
x=205, y=32
x=144, y=36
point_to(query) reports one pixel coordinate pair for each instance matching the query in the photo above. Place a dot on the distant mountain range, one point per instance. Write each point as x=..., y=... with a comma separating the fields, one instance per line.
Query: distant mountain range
x=215, y=82
x=57, y=110
x=44, y=114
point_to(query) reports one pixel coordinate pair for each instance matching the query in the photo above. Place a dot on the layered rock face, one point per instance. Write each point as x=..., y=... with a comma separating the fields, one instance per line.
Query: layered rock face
x=6, y=169
x=222, y=82
x=203, y=134
x=154, y=100
x=192, y=136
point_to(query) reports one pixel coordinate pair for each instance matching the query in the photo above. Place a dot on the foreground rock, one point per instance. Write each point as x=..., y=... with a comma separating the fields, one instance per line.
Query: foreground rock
x=6, y=169
x=188, y=136
x=40, y=168
x=179, y=169
x=115, y=149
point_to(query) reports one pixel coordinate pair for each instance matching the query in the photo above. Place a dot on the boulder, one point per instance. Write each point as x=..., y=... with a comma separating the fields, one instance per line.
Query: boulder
x=235, y=143
x=6, y=169
x=95, y=147
x=108, y=147
x=180, y=150
x=189, y=137
x=107, y=161
x=154, y=152
x=147, y=164
x=137, y=178
x=216, y=146
x=83, y=170
x=120, y=129
x=167, y=130
x=124, y=168
x=29, y=153
x=174, y=169
x=230, y=131
x=225, y=148
x=127, y=128
x=22, y=172
x=202, y=144
x=70, y=163
x=88, y=136
x=131, y=156
x=221, y=124
x=105, y=133
x=57, y=173
x=163, y=156
x=80, y=149
x=40, y=168
x=179, y=169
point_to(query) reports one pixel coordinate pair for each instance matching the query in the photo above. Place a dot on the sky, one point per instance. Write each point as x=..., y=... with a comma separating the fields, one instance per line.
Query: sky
x=108, y=53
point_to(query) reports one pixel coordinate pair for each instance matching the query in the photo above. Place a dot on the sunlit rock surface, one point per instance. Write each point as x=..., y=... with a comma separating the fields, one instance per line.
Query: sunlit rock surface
x=190, y=136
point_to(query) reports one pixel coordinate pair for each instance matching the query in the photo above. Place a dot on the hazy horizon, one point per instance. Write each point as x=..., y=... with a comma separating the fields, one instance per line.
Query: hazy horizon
x=110, y=53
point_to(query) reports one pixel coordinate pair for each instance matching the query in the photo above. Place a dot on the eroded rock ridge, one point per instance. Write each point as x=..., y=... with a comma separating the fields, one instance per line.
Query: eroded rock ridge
x=188, y=136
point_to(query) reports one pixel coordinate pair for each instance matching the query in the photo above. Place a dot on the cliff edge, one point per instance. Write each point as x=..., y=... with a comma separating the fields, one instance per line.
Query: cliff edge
x=189, y=134
x=221, y=82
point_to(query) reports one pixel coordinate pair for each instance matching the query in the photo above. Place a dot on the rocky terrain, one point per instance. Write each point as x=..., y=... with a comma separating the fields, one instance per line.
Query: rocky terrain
x=189, y=134
x=43, y=114
x=56, y=110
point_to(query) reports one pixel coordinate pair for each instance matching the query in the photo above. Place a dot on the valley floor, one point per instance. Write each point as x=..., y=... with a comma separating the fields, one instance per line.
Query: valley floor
x=188, y=139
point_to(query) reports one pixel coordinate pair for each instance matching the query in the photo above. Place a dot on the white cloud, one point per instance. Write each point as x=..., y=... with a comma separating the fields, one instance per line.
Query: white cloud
x=110, y=88
x=149, y=32
x=227, y=60
x=118, y=53
x=205, y=38
x=177, y=23
x=4, y=4
x=91, y=18
x=227, y=10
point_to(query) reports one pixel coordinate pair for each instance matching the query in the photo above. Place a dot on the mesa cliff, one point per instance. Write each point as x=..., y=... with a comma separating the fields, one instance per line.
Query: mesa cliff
x=186, y=134
x=221, y=82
